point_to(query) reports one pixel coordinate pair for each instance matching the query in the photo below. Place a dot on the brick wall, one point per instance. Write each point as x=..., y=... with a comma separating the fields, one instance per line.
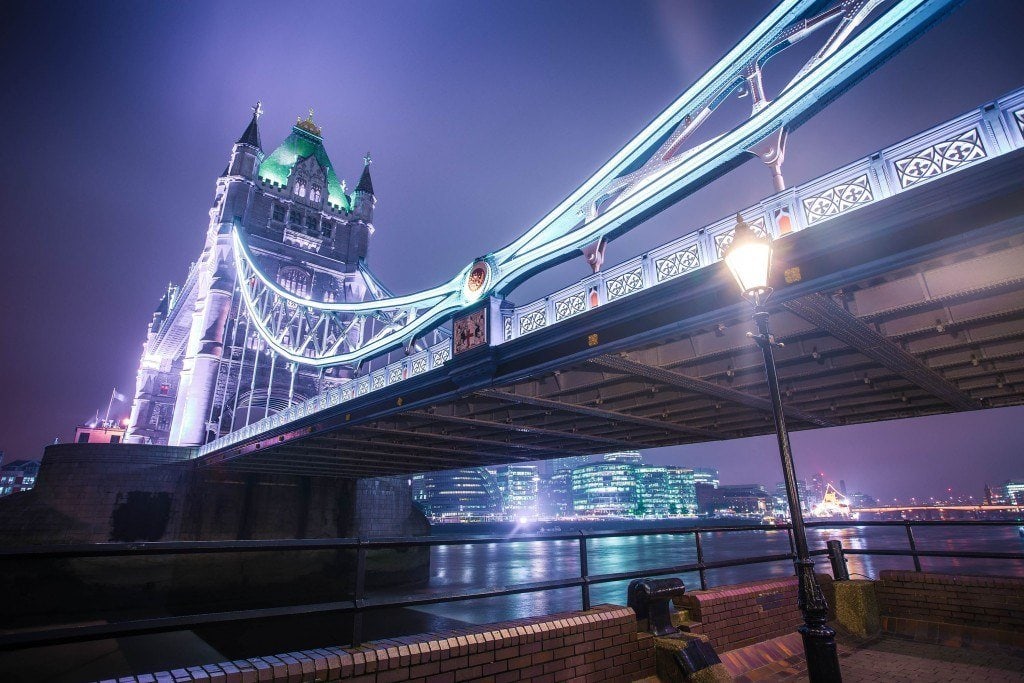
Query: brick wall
x=742, y=614
x=988, y=602
x=601, y=644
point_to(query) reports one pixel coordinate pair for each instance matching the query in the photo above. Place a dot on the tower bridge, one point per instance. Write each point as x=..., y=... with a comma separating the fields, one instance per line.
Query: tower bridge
x=901, y=300
x=898, y=294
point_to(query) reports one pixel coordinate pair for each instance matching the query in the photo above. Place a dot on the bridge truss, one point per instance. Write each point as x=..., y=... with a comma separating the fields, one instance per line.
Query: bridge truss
x=654, y=170
x=650, y=173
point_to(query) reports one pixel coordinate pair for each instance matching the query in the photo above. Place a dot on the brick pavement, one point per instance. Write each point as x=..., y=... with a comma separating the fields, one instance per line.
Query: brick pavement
x=897, y=660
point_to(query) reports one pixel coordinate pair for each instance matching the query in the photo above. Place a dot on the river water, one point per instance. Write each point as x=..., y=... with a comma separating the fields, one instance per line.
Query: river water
x=473, y=567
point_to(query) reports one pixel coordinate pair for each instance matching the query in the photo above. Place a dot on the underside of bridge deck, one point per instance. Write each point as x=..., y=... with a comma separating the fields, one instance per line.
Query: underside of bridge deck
x=913, y=306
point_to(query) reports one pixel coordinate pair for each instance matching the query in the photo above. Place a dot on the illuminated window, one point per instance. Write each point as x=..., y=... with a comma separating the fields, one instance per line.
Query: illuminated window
x=314, y=193
x=300, y=188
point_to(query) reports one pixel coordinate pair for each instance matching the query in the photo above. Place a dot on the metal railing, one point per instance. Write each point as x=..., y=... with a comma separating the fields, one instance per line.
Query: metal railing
x=837, y=556
x=359, y=603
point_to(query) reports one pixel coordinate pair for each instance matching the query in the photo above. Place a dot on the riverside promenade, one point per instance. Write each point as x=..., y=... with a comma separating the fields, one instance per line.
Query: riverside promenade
x=905, y=626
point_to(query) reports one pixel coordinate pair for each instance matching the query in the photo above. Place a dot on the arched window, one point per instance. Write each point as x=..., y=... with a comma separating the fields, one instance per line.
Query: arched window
x=300, y=188
x=295, y=280
x=314, y=193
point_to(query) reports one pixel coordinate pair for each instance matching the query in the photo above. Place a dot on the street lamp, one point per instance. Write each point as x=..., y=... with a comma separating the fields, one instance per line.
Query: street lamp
x=749, y=258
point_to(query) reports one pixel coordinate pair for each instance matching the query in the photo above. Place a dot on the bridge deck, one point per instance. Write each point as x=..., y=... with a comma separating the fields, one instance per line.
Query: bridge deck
x=911, y=306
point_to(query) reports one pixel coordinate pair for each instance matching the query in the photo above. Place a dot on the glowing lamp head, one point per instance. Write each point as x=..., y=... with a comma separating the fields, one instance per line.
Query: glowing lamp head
x=749, y=258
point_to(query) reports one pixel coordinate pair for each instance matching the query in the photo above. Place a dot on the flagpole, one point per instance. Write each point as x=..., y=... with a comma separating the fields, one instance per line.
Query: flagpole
x=110, y=404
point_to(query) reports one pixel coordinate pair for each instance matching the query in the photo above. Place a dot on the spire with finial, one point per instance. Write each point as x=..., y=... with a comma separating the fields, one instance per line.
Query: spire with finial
x=308, y=125
x=365, y=184
x=251, y=136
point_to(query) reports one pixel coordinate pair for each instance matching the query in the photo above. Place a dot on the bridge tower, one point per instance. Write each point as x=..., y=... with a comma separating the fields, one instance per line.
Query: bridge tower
x=204, y=369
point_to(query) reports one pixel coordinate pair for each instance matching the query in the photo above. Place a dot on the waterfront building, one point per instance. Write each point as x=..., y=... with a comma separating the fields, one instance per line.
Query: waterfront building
x=205, y=370
x=457, y=495
x=684, y=491
x=862, y=500
x=705, y=475
x=555, y=495
x=607, y=489
x=742, y=499
x=1013, y=492
x=782, y=503
x=656, y=496
x=519, y=486
x=815, y=490
x=18, y=475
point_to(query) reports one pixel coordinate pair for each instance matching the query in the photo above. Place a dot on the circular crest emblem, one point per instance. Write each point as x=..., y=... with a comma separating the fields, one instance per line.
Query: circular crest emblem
x=477, y=279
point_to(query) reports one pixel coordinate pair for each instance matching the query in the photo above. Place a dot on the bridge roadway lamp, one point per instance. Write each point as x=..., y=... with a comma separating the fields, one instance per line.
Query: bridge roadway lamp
x=749, y=258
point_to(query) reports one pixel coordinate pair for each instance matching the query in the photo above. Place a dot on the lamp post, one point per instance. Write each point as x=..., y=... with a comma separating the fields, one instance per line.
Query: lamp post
x=749, y=258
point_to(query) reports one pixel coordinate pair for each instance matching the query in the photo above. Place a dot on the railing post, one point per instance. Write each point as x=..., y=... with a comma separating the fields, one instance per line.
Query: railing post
x=357, y=596
x=840, y=572
x=584, y=572
x=913, y=546
x=700, y=561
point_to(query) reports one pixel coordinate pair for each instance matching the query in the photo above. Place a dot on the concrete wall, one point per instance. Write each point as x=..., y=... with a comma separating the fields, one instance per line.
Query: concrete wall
x=601, y=644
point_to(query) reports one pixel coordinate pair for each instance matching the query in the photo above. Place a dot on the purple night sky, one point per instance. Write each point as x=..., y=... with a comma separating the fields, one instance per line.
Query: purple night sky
x=118, y=117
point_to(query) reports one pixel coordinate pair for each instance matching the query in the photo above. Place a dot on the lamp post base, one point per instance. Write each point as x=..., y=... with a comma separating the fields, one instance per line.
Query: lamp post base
x=819, y=638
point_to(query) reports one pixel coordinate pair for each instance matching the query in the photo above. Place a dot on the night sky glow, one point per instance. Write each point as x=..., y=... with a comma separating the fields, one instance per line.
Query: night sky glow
x=117, y=118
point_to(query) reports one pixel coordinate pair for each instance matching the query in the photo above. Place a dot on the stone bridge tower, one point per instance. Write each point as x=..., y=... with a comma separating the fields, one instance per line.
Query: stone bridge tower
x=204, y=369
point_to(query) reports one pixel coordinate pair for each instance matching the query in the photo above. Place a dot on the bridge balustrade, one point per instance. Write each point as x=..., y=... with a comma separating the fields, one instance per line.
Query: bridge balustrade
x=989, y=131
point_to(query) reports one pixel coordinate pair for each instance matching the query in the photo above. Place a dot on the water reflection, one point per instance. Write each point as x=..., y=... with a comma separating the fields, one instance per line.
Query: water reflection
x=466, y=567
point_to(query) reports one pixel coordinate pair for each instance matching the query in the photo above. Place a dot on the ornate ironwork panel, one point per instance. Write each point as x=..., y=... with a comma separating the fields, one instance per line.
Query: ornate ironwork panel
x=395, y=373
x=570, y=306
x=506, y=324
x=939, y=158
x=626, y=283
x=838, y=199
x=442, y=356
x=532, y=321
x=677, y=263
x=1019, y=116
x=419, y=365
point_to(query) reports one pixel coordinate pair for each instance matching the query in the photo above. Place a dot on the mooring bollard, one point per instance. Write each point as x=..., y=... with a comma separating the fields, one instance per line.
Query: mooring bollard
x=649, y=598
x=840, y=572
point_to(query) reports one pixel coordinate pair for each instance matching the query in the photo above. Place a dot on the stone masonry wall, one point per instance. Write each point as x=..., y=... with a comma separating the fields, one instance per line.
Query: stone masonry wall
x=984, y=601
x=95, y=493
x=601, y=644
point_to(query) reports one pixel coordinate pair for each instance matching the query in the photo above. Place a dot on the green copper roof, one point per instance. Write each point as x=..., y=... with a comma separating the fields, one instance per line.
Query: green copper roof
x=300, y=144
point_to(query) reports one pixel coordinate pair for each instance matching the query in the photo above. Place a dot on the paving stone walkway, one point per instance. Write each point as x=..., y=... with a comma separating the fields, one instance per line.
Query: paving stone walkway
x=896, y=660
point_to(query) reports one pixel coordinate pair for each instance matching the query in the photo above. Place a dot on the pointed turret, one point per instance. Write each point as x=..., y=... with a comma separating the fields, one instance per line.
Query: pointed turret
x=363, y=197
x=251, y=136
x=365, y=184
x=247, y=152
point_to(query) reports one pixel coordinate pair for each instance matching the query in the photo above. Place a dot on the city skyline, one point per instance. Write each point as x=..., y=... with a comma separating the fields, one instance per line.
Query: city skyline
x=100, y=236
